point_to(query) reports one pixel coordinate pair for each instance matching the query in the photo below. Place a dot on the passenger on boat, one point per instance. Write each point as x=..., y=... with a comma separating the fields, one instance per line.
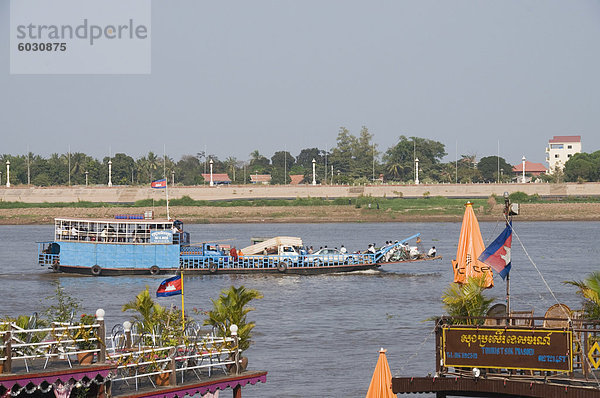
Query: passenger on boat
x=432, y=252
x=371, y=248
x=310, y=250
x=233, y=253
x=74, y=233
x=343, y=250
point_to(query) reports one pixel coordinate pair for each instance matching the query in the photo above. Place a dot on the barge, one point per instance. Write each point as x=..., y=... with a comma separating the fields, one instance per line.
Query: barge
x=141, y=245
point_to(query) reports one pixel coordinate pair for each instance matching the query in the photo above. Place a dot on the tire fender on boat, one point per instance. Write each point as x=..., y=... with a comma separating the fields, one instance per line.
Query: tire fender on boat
x=282, y=266
x=56, y=266
x=154, y=270
x=212, y=268
x=96, y=270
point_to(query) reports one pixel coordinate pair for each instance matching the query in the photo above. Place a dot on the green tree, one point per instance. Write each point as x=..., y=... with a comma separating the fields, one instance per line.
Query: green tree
x=189, y=170
x=488, y=167
x=123, y=166
x=258, y=163
x=342, y=155
x=282, y=162
x=365, y=155
x=399, y=160
x=583, y=166
x=306, y=156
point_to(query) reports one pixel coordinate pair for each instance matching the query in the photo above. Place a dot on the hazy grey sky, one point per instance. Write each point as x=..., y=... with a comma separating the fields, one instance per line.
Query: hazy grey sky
x=243, y=75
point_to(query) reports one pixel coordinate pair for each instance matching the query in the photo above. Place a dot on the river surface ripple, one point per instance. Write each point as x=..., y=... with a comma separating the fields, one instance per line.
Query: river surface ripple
x=320, y=335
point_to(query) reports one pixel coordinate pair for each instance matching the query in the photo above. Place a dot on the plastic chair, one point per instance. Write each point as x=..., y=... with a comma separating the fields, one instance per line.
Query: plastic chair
x=523, y=318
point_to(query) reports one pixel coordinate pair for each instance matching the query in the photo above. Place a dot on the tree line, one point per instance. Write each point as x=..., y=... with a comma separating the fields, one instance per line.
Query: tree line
x=354, y=160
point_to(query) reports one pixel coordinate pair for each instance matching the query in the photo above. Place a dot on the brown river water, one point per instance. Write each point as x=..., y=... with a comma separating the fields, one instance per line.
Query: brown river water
x=319, y=336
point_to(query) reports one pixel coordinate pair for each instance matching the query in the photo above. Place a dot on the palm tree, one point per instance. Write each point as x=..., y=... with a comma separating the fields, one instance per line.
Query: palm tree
x=148, y=311
x=467, y=301
x=589, y=289
x=395, y=169
x=230, y=309
x=152, y=163
x=230, y=164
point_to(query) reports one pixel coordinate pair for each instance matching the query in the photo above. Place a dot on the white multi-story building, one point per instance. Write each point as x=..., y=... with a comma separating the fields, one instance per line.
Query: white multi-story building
x=560, y=149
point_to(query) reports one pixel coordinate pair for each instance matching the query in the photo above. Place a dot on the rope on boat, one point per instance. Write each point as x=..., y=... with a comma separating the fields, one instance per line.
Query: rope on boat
x=568, y=316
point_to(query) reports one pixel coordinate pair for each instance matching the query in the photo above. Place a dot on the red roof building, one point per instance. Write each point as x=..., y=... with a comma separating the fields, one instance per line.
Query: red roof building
x=565, y=138
x=296, y=179
x=532, y=169
x=260, y=178
x=217, y=178
x=560, y=149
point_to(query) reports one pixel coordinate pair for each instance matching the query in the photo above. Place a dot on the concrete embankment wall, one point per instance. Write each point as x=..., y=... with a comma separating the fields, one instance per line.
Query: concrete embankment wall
x=132, y=194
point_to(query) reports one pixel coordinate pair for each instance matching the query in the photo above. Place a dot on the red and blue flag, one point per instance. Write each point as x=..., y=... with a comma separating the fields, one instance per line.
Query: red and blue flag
x=170, y=287
x=497, y=254
x=159, y=183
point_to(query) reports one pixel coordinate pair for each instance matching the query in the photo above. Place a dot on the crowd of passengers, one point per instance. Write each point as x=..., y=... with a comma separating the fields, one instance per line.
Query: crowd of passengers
x=108, y=234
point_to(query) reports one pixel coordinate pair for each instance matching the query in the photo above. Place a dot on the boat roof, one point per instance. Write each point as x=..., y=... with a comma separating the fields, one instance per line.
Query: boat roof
x=116, y=220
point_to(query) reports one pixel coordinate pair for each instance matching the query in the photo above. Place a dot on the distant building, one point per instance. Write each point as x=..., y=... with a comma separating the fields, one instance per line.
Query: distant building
x=531, y=170
x=260, y=179
x=296, y=179
x=560, y=149
x=217, y=178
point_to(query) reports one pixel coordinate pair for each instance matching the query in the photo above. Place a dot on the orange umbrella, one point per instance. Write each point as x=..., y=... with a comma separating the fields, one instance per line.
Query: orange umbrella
x=470, y=246
x=381, y=383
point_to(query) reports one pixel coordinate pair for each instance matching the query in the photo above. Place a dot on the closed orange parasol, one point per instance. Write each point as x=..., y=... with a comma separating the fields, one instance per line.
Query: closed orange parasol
x=381, y=383
x=470, y=246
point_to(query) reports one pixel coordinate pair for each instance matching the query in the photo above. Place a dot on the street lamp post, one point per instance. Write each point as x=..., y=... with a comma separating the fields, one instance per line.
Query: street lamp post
x=416, y=171
x=0, y=177
x=523, y=178
x=173, y=178
x=211, y=173
x=86, y=178
x=8, y=174
x=314, y=181
x=110, y=173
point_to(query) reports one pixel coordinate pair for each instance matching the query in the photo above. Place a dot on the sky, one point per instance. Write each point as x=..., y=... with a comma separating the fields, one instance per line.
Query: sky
x=237, y=76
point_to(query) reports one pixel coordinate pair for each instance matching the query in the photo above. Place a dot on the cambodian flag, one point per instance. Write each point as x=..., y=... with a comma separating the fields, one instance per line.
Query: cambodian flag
x=497, y=254
x=159, y=183
x=169, y=287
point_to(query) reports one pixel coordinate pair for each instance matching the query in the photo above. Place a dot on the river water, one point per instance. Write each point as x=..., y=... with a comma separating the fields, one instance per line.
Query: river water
x=319, y=336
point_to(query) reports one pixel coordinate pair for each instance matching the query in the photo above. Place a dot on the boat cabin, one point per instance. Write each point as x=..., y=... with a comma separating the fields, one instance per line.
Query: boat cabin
x=120, y=231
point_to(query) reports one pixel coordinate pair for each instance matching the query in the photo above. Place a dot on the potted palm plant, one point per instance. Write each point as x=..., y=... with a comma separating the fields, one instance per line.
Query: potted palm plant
x=467, y=302
x=231, y=309
x=589, y=290
x=87, y=339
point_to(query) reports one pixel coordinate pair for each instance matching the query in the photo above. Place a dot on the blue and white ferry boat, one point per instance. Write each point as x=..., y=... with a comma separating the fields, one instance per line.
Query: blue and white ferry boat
x=138, y=244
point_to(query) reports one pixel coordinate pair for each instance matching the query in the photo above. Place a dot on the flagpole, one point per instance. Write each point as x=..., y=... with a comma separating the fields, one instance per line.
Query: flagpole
x=507, y=219
x=182, y=303
x=166, y=179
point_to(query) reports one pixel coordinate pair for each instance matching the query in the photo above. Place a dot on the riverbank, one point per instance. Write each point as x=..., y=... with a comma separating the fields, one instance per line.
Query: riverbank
x=311, y=214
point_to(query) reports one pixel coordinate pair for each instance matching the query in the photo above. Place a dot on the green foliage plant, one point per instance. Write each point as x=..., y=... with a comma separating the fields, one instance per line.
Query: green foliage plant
x=231, y=308
x=589, y=290
x=87, y=334
x=148, y=312
x=63, y=305
x=467, y=301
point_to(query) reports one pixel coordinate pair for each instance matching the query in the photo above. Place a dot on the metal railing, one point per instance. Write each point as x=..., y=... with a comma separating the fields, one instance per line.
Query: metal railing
x=58, y=341
x=135, y=355
x=190, y=260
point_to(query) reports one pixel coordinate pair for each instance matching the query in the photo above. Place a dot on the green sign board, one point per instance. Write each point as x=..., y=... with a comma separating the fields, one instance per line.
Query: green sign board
x=505, y=348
